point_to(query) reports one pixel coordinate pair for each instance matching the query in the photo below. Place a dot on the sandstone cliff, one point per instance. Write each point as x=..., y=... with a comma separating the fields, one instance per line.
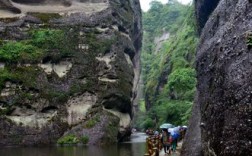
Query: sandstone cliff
x=224, y=82
x=68, y=69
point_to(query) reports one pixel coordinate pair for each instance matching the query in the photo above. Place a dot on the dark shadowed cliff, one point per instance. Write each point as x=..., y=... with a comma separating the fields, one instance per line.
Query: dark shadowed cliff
x=224, y=82
x=203, y=9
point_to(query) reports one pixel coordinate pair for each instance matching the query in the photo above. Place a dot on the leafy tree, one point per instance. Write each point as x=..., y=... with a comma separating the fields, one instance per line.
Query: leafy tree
x=182, y=79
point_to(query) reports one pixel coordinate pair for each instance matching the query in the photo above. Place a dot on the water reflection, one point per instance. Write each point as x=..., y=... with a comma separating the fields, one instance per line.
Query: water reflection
x=134, y=148
x=126, y=149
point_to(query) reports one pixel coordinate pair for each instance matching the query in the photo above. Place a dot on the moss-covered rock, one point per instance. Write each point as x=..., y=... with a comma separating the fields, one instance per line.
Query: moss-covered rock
x=62, y=68
x=45, y=17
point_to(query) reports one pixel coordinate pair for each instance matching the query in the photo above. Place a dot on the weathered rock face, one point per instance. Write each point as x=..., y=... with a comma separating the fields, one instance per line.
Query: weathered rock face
x=192, y=142
x=68, y=70
x=224, y=80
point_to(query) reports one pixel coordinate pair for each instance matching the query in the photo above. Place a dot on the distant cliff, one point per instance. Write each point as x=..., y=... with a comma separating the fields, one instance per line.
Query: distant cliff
x=68, y=68
x=223, y=104
x=168, y=57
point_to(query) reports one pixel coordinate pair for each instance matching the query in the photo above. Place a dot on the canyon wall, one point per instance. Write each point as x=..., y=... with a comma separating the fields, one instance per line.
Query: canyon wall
x=68, y=68
x=224, y=82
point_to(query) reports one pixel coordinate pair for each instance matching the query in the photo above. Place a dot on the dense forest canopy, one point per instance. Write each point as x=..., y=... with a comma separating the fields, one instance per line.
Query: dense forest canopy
x=167, y=66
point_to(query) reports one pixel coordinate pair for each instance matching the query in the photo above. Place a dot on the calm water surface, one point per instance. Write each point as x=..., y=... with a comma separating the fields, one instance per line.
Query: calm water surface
x=136, y=147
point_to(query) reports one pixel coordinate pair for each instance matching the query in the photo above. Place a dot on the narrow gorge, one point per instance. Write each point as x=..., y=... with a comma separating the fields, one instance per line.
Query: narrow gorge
x=103, y=75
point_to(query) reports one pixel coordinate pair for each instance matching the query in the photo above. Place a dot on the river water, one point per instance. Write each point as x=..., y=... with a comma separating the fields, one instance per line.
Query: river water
x=135, y=147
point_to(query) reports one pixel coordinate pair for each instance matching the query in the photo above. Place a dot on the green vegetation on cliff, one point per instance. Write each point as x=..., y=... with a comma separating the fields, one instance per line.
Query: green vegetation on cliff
x=18, y=51
x=51, y=45
x=72, y=139
x=168, y=72
x=31, y=50
x=68, y=139
x=92, y=122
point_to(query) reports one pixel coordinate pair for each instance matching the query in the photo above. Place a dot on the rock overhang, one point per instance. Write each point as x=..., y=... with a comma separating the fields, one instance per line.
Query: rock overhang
x=87, y=7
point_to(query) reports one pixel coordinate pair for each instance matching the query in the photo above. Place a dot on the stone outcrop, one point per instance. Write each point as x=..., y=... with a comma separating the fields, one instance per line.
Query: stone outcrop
x=43, y=2
x=68, y=70
x=224, y=80
x=8, y=6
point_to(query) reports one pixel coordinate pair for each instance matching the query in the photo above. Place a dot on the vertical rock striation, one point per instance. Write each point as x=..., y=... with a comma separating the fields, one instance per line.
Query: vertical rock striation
x=68, y=69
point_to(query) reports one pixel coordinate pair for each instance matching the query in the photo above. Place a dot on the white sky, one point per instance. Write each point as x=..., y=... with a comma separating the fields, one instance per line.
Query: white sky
x=145, y=3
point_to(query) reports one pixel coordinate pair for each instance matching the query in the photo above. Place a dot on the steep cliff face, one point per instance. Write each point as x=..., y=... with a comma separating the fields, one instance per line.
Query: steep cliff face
x=192, y=145
x=224, y=80
x=68, y=70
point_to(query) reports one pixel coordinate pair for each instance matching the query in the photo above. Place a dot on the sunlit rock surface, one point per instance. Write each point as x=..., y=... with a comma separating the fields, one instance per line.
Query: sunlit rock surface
x=71, y=67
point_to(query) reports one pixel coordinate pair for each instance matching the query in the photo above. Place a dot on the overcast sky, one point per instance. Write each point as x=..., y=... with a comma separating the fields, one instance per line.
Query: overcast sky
x=145, y=3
